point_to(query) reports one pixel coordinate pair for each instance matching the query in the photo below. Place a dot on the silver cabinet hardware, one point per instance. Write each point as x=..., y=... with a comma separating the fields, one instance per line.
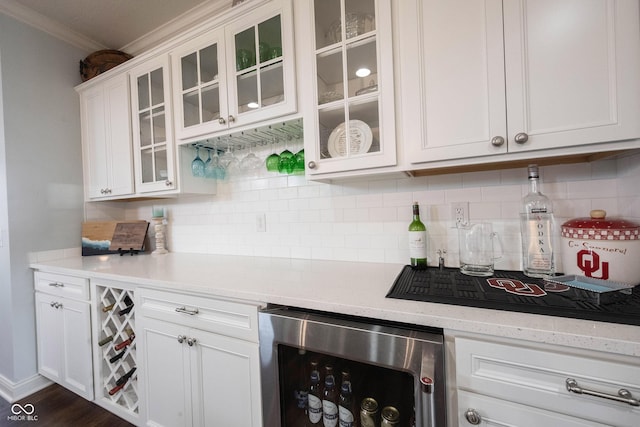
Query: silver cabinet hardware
x=623, y=395
x=168, y=183
x=311, y=165
x=185, y=310
x=473, y=417
x=57, y=284
x=55, y=305
x=191, y=341
x=222, y=121
x=181, y=338
x=497, y=141
x=521, y=138
x=232, y=119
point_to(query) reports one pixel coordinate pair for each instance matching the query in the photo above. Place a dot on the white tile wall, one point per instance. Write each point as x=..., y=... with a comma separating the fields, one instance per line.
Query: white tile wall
x=366, y=220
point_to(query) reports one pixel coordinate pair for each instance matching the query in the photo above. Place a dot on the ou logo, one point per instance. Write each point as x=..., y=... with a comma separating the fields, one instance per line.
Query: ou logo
x=17, y=409
x=589, y=263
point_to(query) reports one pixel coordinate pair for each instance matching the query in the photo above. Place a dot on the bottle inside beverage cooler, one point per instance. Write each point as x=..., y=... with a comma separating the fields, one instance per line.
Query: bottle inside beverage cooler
x=314, y=397
x=346, y=411
x=329, y=399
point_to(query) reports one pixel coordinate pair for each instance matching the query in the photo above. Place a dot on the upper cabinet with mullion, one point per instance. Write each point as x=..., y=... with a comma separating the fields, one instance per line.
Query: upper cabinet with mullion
x=235, y=75
x=152, y=126
x=524, y=78
x=349, y=99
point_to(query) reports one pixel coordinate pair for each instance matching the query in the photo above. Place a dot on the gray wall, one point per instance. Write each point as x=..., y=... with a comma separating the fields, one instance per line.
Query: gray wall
x=41, y=202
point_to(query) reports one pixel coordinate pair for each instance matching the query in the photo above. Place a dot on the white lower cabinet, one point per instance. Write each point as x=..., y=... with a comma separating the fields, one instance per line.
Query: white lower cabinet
x=63, y=330
x=197, y=369
x=500, y=382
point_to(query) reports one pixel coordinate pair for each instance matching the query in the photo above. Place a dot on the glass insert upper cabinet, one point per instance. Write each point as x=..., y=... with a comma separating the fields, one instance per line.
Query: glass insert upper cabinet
x=349, y=105
x=152, y=126
x=238, y=74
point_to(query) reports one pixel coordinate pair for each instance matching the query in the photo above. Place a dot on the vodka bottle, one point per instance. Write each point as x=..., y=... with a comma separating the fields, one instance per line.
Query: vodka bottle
x=314, y=404
x=417, y=240
x=536, y=227
x=329, y=399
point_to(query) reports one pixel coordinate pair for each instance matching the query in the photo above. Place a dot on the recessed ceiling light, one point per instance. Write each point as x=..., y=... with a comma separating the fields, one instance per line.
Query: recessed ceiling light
x=363, y=72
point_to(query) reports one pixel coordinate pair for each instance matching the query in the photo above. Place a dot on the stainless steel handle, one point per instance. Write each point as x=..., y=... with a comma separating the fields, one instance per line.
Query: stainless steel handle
x=222, y=121
x=311, y=165
x=473, y=417
x=232, y=119
x=57, y=284
x=521, y=138
x=191, y=341
x=623, y=395
x=185, y=310
x=497, y=141
x=181, y=338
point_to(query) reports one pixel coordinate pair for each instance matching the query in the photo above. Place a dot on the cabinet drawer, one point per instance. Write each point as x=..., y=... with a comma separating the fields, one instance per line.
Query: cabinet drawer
x=222, y=317
x=496, y=412
x=537, y=377
x=62, y=285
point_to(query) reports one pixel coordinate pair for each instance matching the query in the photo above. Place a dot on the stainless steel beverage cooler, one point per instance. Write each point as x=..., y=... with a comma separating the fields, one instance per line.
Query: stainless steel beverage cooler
x=398, y=365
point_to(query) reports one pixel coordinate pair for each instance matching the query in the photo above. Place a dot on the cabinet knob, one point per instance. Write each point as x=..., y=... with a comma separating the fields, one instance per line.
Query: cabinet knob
x=181, y=338
x=191, y=341
x=473, y=417
x=521, y=138
x=103, y=191
x=168, y=183
x=497, y=141
x=222, y=121
x=311, y=165
x=232, y=119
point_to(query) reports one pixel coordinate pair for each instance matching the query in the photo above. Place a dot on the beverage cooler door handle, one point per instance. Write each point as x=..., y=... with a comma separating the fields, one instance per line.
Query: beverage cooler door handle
x=427, y=401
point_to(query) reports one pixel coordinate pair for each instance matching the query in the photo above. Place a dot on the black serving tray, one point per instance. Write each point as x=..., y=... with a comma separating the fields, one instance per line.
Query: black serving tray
x=513, y=291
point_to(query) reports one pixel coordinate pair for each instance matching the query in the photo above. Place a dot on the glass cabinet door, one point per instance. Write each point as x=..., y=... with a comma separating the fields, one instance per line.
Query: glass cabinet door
x=152, y=127
x=200, y=86
x=350, y=71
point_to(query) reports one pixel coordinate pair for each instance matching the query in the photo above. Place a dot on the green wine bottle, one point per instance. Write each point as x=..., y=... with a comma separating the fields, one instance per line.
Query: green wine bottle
x=417, y=240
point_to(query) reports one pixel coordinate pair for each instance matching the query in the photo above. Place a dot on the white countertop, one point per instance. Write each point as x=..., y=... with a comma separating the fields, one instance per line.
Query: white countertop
x=353, y=288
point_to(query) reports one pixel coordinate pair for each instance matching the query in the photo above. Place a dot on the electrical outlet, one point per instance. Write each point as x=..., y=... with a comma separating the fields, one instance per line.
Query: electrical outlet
x=261, y=223
x=460, y=214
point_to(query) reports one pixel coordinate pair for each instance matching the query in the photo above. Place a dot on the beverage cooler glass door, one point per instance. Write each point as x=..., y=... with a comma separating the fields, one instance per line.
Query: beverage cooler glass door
x=399, y=368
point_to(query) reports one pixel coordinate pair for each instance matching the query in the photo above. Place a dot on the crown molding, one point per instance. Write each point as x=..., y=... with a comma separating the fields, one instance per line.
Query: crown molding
x=30, y=17
x=191, y=18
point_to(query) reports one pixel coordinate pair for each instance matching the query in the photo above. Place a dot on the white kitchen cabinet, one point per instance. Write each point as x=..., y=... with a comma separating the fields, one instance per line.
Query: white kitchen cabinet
x=348, y=108
x=513, y=76
x=236, y=74
x=517, y=383
x=200, y=361
x=106, y=138
x=63, y=331
x=160, y=168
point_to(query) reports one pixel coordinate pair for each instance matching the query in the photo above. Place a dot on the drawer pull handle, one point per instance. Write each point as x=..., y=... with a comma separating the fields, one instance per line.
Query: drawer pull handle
x=181, y=338
x=191, y=341
x=57, y=284
x=187, y=311
x=473, y=417
x=623, y=396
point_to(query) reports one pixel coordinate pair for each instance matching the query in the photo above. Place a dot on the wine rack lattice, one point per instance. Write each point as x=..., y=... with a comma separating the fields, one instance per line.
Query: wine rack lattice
x=119, y=323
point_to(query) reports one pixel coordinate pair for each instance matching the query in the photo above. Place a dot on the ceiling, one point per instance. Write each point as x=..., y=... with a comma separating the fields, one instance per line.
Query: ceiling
x=110, y=24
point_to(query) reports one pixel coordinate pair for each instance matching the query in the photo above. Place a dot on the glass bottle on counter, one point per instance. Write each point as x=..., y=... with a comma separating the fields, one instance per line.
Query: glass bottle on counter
x=345, y=406
x=536, y=227
x=417, y=240
x=329, y=399
x=314, y=398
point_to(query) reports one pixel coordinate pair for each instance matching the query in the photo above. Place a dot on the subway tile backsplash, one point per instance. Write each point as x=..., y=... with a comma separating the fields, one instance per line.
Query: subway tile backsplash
x=366, y=220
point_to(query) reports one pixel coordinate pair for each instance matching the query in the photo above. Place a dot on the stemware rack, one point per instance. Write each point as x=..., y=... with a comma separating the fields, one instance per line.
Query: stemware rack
x=117, y=322
x=257, y=137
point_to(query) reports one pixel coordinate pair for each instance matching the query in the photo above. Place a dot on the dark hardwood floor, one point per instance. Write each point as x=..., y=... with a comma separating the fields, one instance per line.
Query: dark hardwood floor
x=56, y=406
